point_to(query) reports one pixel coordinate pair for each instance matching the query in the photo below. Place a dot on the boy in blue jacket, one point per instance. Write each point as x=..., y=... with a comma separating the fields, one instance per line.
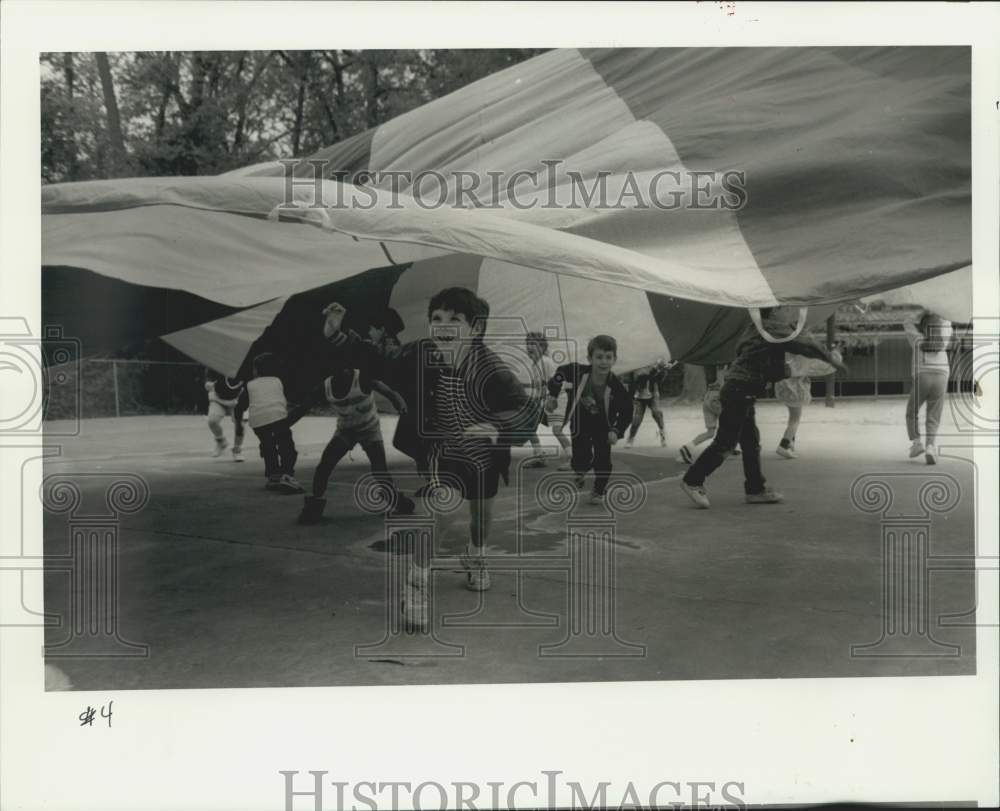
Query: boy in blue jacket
x=599, y=411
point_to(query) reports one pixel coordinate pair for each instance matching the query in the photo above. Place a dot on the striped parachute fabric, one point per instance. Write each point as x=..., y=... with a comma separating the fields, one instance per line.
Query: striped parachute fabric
x=722, y=179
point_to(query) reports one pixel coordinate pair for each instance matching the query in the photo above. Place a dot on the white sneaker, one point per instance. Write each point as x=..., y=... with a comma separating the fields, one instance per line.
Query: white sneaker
x=220, y=446
x=413, y=600
x=535, y=461
x=628, y=442
x=697, y=494
x=237, y=453
x=788, y=453
x=685, y=454
x=930, y=454
x=477, y=576
x=564, y=467
x=596, y=500
x=916, y=448
x=766, y=496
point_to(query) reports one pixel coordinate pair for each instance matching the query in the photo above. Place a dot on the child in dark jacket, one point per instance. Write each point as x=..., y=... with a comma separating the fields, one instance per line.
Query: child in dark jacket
x=467, y=409
x=599, y=411
x=758, y=362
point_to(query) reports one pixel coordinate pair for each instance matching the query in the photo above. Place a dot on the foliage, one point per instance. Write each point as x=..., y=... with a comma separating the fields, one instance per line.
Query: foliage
x=202, y=113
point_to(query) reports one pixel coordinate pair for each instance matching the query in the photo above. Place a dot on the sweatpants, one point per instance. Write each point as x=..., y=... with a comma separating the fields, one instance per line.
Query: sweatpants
x=930, y=388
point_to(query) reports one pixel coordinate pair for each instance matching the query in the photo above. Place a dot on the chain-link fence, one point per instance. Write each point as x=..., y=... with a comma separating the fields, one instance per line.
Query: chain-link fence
x=119, y=388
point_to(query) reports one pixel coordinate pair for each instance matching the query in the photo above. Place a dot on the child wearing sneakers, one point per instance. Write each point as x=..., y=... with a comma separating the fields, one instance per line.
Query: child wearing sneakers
x=646, y=393
x=930, y=341
x=758, y=362
x=600, y=413
x=350, y=394
x=471, y=409
x=269, y=419
x=711, y=407
x=795, y=393
x=226, y=398
x=543, y=368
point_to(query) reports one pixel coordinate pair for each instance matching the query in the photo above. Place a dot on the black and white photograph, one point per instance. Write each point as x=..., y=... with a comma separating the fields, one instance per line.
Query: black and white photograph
x=492, y=368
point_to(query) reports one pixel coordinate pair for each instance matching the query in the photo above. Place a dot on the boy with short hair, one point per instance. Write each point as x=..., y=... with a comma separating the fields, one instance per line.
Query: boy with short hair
x=758, y=362
x=269, y=419
x=599, y=414
x=471, y=409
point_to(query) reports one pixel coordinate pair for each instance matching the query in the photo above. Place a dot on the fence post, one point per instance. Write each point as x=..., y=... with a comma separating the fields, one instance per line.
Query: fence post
x=114, y=377
x=831, y=323
x=877, y=344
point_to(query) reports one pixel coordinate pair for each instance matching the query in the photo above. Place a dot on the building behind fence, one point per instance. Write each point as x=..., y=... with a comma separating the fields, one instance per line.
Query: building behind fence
x=879, y=360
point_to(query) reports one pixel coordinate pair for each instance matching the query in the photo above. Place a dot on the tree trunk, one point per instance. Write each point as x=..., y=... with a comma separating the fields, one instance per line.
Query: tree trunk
x=72, y=160
x=115, y=138
x=300, y=102
x=694, y=384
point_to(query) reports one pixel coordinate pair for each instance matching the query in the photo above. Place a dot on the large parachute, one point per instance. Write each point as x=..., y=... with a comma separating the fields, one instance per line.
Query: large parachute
x=654, y=194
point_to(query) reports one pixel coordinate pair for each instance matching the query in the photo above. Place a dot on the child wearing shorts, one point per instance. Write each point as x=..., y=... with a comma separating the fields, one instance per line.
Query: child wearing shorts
x=795, y=392
x=226, y=398
x=646, y=393
x=350, y=394
x=472, y=409
x=711, y=408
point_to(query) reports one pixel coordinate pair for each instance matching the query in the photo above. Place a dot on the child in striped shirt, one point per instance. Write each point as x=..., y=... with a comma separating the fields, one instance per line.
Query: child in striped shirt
x=351, y=395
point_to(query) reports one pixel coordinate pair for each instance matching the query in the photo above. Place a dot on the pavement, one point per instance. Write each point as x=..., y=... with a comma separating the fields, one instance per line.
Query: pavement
x=223, y=589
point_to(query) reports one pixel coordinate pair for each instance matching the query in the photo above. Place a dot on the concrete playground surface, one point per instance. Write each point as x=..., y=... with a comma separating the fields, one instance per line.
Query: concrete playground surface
x=223, y=589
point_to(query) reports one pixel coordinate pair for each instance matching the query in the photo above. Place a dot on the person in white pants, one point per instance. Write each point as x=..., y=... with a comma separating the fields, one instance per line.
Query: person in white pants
x=930, y=341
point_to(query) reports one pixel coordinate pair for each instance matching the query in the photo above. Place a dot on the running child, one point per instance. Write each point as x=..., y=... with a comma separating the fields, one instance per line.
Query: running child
x=758, y=362
x=600, y=413
x=646, y=393
x=930, y=341
x=542, y=370
x=795, y=393
x=472, y=408
x=269, y=419
x=226, y=398
x=350, y=394
x=711, y=407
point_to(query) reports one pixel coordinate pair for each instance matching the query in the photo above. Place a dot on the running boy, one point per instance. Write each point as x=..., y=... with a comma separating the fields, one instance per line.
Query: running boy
x=757, y=363
x=472, y=408
x=543, y=369
x=600, y=413
x=269, y=418
x=350, y=393
x=646, y=393
x=226, y=398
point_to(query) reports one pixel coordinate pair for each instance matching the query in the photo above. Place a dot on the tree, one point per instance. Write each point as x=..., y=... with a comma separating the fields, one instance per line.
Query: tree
x=118, y=159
